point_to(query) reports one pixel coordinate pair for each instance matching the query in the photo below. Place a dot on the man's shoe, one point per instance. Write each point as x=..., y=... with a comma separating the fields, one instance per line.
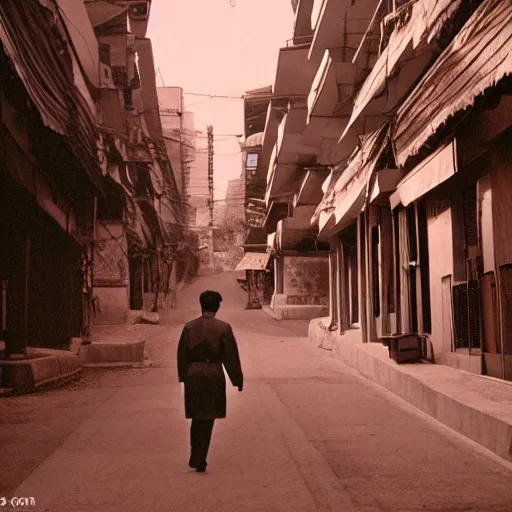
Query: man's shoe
x=193, y=463
x=201, y=467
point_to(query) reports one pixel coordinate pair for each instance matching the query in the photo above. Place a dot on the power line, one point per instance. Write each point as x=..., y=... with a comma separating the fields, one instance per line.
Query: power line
x=226, y=96
x=197, y=102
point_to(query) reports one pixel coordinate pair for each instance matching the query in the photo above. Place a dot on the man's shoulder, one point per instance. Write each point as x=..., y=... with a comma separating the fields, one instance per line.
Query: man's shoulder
x=222, y=325
x=217, y=324
x=193, y=322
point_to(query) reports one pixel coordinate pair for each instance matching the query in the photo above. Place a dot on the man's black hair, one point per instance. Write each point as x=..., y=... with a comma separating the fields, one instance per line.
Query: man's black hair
x=210, y=301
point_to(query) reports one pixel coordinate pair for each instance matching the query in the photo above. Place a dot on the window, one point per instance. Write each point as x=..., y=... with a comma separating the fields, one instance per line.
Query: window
x=252, y=161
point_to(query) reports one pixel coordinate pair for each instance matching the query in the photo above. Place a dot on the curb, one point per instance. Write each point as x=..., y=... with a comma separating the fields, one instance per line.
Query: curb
x=460, y=406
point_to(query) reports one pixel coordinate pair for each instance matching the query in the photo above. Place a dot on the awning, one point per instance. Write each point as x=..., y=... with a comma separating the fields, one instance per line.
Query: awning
x=477, y=58
x=326, y=204
x=351, y=191
x=385, y=182
x=48, y=76
x=430, y=173
x=253, y=261
x=354, y=188
x=424, y=20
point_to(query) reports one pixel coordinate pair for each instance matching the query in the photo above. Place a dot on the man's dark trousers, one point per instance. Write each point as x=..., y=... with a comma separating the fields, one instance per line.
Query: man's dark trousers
x=200, y=436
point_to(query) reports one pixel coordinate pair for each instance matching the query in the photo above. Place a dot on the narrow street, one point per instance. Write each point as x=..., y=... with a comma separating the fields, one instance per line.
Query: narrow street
x=307, y=434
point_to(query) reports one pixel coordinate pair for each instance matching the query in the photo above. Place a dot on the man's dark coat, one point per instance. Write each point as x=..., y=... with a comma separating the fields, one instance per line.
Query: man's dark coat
x=206, y=344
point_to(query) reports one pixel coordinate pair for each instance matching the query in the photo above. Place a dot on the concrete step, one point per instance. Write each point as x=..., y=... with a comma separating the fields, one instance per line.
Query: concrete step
x=125, y=352
x=293, y=312
x=39, y=367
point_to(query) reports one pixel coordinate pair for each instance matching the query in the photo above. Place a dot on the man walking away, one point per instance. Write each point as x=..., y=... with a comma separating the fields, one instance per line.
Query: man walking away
x=206, y=344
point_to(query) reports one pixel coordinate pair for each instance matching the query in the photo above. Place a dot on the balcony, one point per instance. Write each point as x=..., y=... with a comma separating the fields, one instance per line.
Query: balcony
x=340, y=29
x=302, y=31
x=283, y=180
x=292, y=232
x=274, y=116
x=290, y=154
x=310, y=191
x=294, y=72
x=329, y=104
x=290, y=144
x=339, y=24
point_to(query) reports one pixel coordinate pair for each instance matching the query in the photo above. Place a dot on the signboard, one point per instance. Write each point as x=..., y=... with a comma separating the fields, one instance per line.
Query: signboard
x=254, y=218
x=253, y=261
x=255, y=212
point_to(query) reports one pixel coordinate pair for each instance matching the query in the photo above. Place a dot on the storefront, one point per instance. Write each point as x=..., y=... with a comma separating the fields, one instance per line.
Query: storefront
x=258, y=275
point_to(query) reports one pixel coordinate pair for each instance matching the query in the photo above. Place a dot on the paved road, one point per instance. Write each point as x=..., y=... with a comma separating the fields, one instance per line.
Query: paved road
x=307, y=434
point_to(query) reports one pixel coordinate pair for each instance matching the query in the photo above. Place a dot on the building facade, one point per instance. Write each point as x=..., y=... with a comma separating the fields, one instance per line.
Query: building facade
x=50, y=179
x=90, y=213
x=392, y=140
x=140, y=224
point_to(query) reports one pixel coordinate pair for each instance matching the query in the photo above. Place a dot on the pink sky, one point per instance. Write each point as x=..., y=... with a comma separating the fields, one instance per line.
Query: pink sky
x=209, y=47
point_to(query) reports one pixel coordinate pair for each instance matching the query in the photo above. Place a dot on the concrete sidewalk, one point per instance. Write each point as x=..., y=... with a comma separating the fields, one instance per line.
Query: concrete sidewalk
x=132, y=454
x=478, y=407
x=308, y=433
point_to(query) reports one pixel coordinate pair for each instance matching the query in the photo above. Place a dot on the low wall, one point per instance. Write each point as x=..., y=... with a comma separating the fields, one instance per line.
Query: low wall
x=111, y=304
x=306, y=280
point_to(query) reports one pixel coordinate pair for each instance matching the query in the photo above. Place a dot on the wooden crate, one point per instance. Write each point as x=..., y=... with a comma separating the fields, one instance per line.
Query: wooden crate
x=404, y=347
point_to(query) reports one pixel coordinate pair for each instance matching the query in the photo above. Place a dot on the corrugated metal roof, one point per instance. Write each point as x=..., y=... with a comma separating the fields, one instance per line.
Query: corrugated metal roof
x=477, y=58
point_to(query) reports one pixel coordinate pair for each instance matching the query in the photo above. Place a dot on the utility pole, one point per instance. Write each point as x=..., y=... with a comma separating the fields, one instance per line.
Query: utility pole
x=184, y=185
x=209, y=131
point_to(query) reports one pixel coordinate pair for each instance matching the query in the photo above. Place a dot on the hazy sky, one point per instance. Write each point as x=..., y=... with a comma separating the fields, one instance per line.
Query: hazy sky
x=209, y=47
